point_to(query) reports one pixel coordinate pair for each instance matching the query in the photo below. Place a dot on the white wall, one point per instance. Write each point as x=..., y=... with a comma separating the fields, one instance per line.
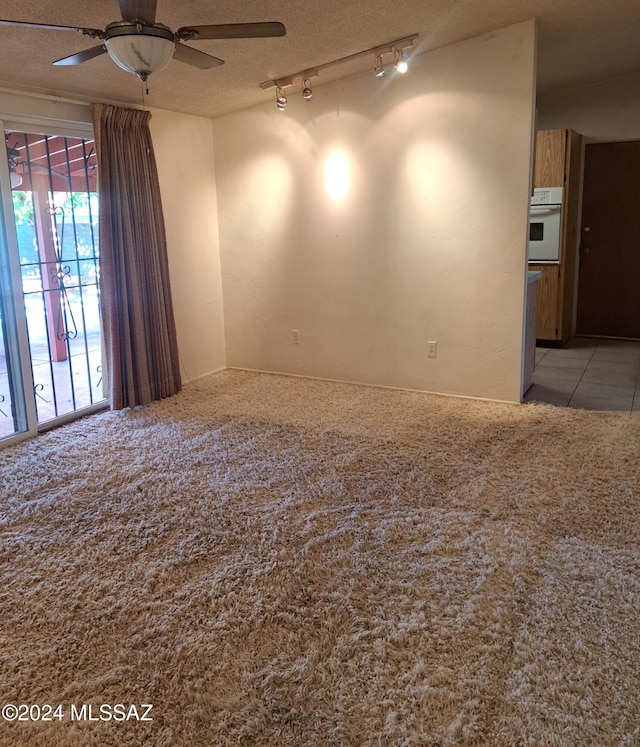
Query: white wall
x=183, y=148
x=422, y=238
x=607, y=112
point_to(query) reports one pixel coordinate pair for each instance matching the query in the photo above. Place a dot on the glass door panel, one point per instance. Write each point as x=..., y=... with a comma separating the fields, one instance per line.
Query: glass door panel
x=13, y=412
x=55, y=212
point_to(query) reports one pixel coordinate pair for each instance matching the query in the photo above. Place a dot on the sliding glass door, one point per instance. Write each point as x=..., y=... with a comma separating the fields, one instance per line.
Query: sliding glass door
x=52, y=332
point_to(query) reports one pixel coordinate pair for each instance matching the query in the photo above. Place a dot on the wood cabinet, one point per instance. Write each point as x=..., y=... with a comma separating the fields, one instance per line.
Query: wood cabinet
x=557, y=164
x=549, y=166
x=547, y=301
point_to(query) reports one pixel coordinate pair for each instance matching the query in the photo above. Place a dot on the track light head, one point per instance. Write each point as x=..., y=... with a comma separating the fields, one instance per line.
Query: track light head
x=402, y=62
x=281, y=99
x=379, y=67
x=307, y=93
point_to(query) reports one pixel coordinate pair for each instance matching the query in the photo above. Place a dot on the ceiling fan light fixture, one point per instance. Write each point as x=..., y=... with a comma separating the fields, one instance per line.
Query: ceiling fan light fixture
x=16, y=179
x=139, y=49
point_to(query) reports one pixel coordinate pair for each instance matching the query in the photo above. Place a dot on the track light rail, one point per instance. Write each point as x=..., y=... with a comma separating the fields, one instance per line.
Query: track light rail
x=389, y=48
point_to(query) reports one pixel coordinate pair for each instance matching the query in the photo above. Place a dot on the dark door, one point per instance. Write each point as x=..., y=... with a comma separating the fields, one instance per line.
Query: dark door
x=609, y=279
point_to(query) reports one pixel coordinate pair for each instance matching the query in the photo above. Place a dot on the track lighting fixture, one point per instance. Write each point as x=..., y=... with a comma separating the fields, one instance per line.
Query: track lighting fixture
x=402, y=62
x=395, y=48
x=281, y=99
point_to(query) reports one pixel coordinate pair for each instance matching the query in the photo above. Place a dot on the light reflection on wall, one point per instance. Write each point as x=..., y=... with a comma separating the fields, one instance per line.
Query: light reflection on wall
x=268, y=181
x=433, y=184
x=424, y=174
x=337, y=175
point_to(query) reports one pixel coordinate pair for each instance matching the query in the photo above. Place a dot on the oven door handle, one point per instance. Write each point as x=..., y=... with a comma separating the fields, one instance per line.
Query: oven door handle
x=542, y=209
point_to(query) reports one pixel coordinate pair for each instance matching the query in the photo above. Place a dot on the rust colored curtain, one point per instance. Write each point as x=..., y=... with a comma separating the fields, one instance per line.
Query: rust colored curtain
x=135, y=295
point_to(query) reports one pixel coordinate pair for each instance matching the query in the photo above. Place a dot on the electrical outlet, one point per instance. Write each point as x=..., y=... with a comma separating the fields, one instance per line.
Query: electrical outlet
x=432, y=349
x=295, y=336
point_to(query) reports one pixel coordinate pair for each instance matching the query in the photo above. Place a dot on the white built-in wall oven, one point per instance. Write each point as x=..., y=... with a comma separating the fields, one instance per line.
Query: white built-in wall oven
x=545, y=225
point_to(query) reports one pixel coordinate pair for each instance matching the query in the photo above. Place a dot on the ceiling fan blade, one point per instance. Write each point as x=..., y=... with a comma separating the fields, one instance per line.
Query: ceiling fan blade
x=138, y=10
x=27, y=24
x=28, y=166
x=232, y=31
x=195, y=57
x=83, y=56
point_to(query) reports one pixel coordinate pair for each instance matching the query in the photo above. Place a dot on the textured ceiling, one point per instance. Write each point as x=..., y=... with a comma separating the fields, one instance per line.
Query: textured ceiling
x=580, y=42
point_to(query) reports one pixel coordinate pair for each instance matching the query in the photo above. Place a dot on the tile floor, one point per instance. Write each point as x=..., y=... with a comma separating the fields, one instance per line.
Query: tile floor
x=590, y=374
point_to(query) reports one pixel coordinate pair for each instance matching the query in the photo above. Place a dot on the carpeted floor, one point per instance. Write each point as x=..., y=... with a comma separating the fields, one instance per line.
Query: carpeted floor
x=279, y=561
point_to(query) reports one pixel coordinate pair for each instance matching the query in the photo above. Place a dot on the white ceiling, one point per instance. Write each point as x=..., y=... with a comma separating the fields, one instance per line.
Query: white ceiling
x=580, y=42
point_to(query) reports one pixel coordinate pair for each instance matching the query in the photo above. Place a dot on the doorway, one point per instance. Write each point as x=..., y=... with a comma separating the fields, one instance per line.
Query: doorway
x=51, y=339
x=609, y=275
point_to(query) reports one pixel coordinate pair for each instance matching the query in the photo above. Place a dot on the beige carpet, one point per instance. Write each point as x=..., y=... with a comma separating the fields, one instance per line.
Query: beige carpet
x=277, y=561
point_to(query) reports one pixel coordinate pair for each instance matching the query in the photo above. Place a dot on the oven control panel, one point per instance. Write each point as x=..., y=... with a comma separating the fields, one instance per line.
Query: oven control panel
x=547, y=196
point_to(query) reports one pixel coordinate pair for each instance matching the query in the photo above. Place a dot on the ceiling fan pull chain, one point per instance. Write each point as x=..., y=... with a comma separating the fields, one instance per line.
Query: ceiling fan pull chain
x=144, y=89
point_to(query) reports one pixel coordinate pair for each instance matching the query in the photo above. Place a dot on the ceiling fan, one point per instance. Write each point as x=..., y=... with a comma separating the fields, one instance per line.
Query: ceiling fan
x=141, y=46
